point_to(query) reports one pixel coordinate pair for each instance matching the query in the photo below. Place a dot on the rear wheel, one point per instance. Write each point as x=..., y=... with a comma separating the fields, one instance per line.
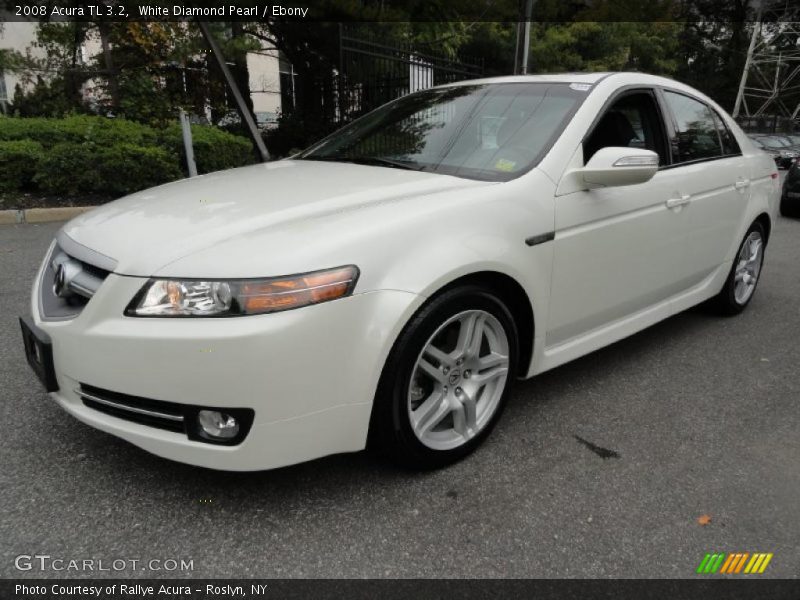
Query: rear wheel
x=446, y=380
x=745, y=272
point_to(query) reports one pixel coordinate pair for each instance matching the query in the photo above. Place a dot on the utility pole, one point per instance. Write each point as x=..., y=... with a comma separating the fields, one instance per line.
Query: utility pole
x=523, y=46
x=526, y=42
x=241, y=104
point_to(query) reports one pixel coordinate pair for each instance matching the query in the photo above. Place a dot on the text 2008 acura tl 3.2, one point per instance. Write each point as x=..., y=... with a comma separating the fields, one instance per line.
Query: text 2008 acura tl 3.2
x=389, y=283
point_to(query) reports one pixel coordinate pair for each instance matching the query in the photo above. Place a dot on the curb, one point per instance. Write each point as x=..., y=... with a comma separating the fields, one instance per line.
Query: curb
x=41, y=215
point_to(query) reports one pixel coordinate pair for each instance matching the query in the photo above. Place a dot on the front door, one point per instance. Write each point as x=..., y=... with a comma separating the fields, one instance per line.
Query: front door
x=618, y=250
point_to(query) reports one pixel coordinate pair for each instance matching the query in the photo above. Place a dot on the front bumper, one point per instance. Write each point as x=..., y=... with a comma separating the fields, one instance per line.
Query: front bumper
x=309, y=374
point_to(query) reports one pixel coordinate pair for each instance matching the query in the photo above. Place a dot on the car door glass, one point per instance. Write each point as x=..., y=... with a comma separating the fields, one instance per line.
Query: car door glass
x=632, y=121
x=730, y=146
x=696, y=134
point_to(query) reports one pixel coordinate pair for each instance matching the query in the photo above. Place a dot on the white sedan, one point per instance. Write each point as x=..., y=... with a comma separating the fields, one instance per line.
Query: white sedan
x=387, y=285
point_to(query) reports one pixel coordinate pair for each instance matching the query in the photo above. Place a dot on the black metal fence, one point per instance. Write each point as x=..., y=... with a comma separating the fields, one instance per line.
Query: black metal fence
x=372, y=73
x=368, y=72
x=769, y=124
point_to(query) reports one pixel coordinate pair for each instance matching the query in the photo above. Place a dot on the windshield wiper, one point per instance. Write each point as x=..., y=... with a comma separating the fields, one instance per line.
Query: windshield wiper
x=377, y=161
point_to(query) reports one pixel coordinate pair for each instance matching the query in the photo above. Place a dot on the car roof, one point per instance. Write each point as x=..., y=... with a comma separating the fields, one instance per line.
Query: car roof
x=544, y=78
x=614, y=78
x=620, y=78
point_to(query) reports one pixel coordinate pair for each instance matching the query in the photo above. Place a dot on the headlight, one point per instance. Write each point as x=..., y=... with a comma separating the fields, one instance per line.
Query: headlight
x=215, y=298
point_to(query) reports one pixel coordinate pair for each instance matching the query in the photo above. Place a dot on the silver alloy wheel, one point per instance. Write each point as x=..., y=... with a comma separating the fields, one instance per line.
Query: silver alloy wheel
x=748, y=267
x=458, y=380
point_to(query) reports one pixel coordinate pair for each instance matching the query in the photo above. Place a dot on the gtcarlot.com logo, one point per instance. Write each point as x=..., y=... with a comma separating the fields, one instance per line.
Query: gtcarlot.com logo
x=45, y=562
x=734, y=563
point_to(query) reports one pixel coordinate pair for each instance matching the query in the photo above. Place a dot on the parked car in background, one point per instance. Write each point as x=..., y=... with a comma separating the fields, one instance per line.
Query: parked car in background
x=794, y=139
x=790, y=197
x=786, y=151
x=789, y=140
x=266, y=120
x=388, y=284
x=774, y=154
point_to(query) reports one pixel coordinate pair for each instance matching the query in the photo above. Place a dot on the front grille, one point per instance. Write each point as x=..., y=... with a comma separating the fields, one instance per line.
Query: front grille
x=155, y=413
x=84, y=281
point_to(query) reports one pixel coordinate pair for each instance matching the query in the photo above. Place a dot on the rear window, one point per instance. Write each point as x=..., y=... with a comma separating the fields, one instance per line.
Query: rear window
x=696, y=135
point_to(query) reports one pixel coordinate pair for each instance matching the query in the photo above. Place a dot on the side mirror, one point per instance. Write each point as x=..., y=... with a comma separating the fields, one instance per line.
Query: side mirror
x=615, y=166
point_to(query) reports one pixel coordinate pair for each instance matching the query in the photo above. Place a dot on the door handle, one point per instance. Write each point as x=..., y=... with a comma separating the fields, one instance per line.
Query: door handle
x=741, y=184
x=680, y=201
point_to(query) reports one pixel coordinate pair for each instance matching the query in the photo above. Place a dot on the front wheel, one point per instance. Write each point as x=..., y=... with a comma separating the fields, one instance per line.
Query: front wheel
x=446, y=380
x=745, y=272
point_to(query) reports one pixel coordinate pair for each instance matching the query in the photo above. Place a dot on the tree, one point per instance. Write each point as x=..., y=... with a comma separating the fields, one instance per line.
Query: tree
x=141, y=70
x=601, y=46
x=713, y=46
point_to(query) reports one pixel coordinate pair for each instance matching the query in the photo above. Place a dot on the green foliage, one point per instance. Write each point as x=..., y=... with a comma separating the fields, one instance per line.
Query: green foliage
x=713, y=46
x=69, y=169
x=18, y=163
x=141, y=100
x=44, y=98
x=82, y=154
x=123, y=168
x=597, y=46
x=10, y=60
x=77, y=129
x=493, y=43
x=214, y=149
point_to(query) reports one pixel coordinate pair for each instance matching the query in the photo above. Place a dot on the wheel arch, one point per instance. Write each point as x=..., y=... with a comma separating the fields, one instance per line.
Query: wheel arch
x=513, y=295
x=764, y=220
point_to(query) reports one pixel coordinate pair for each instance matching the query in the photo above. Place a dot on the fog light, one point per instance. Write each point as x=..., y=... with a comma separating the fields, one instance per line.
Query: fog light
x=217, y=425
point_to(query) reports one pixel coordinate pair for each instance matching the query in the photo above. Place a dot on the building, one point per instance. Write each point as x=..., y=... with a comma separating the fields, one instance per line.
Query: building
x=264, y=68
x=18, y=36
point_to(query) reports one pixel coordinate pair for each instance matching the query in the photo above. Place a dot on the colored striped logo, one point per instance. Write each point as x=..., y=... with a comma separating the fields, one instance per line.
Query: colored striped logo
x=734, y=563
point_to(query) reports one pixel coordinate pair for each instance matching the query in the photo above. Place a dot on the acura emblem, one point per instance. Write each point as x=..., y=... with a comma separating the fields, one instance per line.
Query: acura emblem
x=65, y=274
x=60, y=284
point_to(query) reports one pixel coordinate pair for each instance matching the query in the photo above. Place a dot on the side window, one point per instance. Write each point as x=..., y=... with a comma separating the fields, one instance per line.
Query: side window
x=633, y=121
x=696, y=131
x=729, y=144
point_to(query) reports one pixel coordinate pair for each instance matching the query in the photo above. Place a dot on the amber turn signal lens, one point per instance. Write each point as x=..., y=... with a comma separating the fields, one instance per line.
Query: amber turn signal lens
x=293, y=292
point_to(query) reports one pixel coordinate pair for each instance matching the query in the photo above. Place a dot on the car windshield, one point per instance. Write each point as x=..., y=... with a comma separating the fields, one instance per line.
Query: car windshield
x=771, y=142
x=489, y=132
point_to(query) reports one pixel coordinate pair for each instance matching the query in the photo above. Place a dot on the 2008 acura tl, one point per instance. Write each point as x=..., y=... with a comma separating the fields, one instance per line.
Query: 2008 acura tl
x=390, y=282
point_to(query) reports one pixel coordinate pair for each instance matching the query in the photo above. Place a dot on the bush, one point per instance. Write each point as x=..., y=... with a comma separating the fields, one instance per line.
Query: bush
x=68, y=168
x=83, y=154
x=127, y=168
x=119, y=169
x=214, y=149
x=18, y=163
x=77, y=129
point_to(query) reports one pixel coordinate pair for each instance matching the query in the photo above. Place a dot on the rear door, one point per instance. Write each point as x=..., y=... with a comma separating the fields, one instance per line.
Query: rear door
x=713, y=178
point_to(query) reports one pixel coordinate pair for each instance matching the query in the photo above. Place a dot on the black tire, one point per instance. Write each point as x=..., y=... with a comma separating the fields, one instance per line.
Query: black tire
x=725, y=302
x=391, y=432
x=790, y=209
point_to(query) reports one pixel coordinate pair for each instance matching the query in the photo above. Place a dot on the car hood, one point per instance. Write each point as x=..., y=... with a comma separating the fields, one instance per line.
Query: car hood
x=148, y=230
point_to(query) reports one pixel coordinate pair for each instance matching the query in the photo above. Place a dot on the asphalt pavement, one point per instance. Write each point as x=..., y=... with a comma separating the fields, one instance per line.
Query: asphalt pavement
x=600, y=468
